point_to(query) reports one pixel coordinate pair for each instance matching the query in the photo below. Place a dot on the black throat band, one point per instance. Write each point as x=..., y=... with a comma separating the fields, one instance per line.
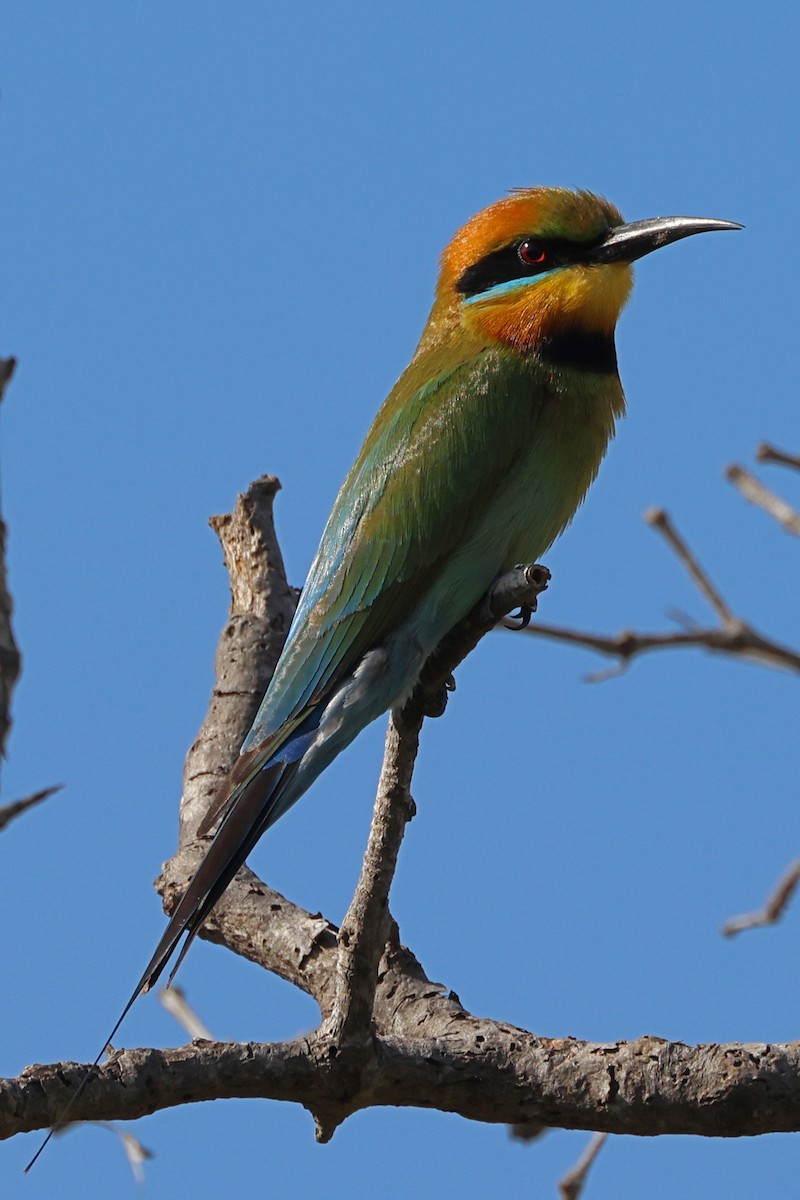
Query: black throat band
x=581, y=349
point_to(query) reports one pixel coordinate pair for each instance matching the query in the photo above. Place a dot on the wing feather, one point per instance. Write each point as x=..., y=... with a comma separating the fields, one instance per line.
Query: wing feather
x=415, y=492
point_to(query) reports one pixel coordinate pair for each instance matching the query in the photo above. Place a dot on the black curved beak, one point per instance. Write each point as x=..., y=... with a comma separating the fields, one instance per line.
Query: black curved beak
x=626, y=243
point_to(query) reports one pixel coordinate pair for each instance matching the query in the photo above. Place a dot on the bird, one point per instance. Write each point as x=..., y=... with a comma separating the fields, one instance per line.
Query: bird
x=477, y=460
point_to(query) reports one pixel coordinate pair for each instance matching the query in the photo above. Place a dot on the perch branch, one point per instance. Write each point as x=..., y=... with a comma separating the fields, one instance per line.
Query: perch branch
x=366, y=927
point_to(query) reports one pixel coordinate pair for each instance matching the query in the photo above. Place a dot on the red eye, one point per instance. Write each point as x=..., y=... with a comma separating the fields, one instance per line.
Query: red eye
x=533, y=254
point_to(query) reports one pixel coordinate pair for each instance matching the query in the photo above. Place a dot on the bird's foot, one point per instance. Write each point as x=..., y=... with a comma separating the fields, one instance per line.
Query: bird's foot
x=522, y=615
x=436, y=702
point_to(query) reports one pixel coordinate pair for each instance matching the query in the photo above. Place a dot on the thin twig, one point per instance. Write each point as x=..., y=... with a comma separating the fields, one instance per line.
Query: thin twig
x=10, y=659
x=732, y=637
x=740, y=641
x=767, y=453
x=7, y=368
x=756, y=493
x=173, y=999
x=660, y=520
x=136, y=1154
x=9, y=811
x=573, y=1182
x=773, y=909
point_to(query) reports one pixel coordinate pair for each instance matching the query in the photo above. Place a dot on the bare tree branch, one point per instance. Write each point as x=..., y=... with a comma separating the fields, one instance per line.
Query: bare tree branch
x=740, y=641
x=173, y=999
x=136, y=1154
x=771, y=454
x=10, y=660
x=754, y=490
x=251, y=918
x=7, y=368
x=422, y=1046
x=774, y=908
x=733, y=636
x=574, y=1181
x=660, y=519
x=367, y=923
x=8, y=812
x=261, y=610
x=482, y=1070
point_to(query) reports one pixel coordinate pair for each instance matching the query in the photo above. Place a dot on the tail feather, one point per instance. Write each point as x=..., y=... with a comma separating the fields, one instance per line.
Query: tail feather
x=250, y=810
x=244, y=769
x=237, y=835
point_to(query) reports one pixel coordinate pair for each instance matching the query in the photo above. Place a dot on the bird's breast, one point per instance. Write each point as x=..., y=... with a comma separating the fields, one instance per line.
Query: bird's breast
x=574, y=412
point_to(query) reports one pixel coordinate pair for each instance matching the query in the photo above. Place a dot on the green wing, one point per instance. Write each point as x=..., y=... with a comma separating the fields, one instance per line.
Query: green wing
x=431, y=460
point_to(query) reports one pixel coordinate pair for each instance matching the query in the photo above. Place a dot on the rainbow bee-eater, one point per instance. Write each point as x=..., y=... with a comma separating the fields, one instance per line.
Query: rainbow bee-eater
x=478, y=460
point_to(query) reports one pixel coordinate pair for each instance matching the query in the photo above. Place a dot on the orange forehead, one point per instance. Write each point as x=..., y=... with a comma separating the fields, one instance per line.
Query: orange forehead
x=540, y=212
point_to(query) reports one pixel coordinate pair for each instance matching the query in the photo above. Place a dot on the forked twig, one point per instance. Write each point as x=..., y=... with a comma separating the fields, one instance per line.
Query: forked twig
x=733, y=636
x=740, y=642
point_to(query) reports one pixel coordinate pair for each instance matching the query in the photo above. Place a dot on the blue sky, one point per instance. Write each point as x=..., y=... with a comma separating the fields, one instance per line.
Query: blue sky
x=220, y=232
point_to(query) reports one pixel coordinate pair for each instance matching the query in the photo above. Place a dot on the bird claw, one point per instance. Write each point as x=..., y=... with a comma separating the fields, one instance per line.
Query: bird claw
x=523, y=615
x=436, y=702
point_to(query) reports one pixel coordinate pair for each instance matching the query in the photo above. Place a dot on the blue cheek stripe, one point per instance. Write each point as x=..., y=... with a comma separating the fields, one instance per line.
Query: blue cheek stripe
x=511, y=285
